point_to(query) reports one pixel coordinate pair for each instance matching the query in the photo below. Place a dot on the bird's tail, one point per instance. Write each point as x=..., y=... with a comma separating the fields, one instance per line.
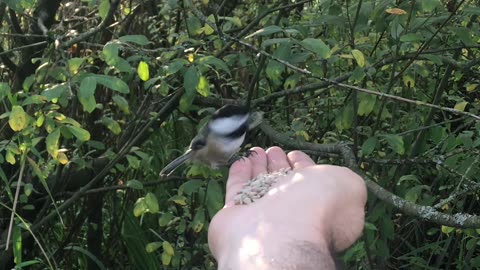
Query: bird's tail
x=172, y=166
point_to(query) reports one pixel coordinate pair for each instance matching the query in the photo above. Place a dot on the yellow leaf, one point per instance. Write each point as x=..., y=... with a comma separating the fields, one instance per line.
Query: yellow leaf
x=60, y=117
x=18, y=118
x=359, y=58
x=447, y=230
x=143, y=71
x=205, y=2
x=208, y=30
x=471, y=87
x=190, y=57
x=408, y=81
x=396, y=11
x=460, y=106
x=40, y=120
x=167, y=247
x=166, y=258
x=10, y=158
x=62, y=158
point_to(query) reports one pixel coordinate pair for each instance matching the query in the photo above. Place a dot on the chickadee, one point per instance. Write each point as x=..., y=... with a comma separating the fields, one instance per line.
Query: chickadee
x=218, y=140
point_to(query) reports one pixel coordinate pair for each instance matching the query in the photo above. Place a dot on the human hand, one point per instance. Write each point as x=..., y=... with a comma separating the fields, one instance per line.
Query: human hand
x=308, y=214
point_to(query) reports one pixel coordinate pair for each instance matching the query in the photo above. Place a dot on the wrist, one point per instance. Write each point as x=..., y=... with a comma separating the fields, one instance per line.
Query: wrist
x=273, y=246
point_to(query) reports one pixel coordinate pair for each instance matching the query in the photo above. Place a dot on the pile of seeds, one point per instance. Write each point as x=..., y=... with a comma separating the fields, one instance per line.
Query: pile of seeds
x=259, y=186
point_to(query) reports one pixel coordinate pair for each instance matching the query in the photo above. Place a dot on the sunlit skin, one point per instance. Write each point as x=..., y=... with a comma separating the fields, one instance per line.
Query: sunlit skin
x=318, y=204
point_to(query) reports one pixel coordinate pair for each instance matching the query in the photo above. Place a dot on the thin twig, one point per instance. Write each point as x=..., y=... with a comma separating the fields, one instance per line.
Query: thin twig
x=27, y=227
x=24, y=47
x=15, y=201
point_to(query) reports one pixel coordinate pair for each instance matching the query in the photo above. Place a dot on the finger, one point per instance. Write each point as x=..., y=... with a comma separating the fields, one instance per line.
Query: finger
x=299, y=160
x=258, y=161
x=277, y=159
x=239, y=174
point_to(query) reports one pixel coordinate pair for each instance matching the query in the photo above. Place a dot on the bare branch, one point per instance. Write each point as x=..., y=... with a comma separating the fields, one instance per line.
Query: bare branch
x=459, y=220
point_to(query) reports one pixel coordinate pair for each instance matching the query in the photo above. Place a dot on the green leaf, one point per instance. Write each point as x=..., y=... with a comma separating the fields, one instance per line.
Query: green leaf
x=34, y=99
x=215, y=198
x=143, y=71
x=203, y=87
x=110, y=53
x=180, y=200
x=103, y=9
x=122, y=103
x=80, y=133
x=17, y=244
x=137, y=39
x=175, y=66
x=198, y=220
x=113, y=83
x=86, y=94
x=190, y=80
x=370, y=226
x=359, y=58
x=52, y=142
x=367, y=104
x=194, y=26
x=271, y=29
x=151, y=203
x=133, y=161
x=408, y=178
x=54, y=92
x=27, y=189
x=190, y=187
x=165, y=219
x=414, y=193
x=369, y=145
x=5, y=90
x=396, y=28
x=111, y=124
x=36, y=170
x=435, y=59
x=357, y=75
x=186, y=101
x=140, y=207
x=317, y=46
x=411, y=37
x=344, y=119
x=396, y=143
x=134, y=184
x=211, y=60
x=152, y=246
x=464, y=35
x=74, y=64
x=18, y=119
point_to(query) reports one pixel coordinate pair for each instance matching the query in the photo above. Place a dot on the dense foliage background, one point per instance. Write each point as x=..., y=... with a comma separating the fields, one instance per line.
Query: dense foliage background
x=97, y=95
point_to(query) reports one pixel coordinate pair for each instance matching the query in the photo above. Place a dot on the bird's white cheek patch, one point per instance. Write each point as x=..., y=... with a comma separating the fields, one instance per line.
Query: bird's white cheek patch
x=228, y=125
